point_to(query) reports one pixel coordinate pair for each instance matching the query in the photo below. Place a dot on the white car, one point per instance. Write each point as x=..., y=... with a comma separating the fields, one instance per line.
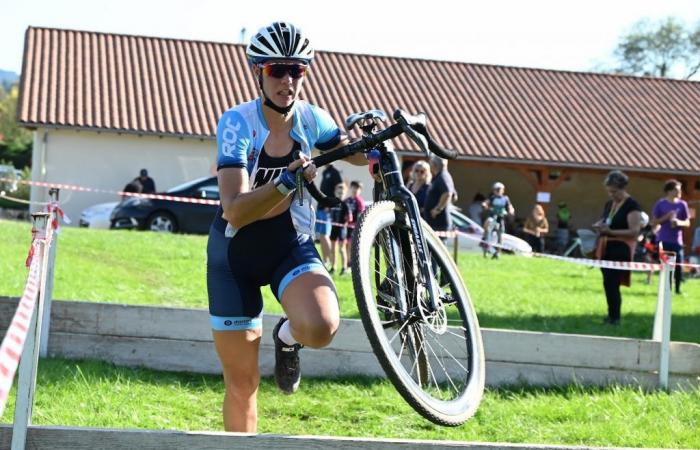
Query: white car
x=474, y=233
x=97, y=216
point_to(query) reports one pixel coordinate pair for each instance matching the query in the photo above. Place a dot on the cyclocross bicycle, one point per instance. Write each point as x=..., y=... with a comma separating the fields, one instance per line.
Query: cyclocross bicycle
x=414, y=305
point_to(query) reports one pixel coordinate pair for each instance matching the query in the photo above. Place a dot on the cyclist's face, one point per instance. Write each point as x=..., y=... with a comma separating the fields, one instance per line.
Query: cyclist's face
x=282, y=87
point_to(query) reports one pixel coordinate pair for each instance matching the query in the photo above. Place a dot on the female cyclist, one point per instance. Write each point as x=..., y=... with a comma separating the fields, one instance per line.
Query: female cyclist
x=260, y=236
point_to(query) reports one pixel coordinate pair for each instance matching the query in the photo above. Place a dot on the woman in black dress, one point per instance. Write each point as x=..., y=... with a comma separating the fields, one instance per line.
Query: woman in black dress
x=618, y=230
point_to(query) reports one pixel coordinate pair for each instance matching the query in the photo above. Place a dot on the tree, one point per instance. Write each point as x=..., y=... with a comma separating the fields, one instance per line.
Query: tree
x=15, y=142
x=664, y=49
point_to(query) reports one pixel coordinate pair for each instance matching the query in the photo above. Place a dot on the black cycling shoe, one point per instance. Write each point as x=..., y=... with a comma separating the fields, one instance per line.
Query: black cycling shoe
x=287, y=366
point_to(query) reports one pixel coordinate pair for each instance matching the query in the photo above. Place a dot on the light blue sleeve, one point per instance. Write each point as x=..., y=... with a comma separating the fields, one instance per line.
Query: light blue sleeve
x=329, y=135
x=232, y=140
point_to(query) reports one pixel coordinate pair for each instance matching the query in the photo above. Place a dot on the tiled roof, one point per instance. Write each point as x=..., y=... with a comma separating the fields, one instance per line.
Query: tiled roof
x=161, y=86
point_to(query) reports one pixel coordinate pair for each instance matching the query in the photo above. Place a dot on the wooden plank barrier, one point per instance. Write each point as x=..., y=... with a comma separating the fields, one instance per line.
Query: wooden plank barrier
x=178, y=339
x=71, y=438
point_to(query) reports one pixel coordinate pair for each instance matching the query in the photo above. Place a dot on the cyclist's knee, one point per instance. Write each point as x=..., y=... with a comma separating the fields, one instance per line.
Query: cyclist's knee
x=318, y=332
x=240, y=381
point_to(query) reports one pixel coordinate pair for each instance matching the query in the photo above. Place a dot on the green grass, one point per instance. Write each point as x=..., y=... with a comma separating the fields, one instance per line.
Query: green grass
x=517, y=293
x=513, y=292
x=94, y=394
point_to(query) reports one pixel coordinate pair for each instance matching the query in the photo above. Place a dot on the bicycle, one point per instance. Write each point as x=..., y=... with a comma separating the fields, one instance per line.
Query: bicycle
x=414, y=305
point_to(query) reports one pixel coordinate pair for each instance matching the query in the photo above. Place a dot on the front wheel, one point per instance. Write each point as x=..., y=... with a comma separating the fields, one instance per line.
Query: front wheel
x=435, y=359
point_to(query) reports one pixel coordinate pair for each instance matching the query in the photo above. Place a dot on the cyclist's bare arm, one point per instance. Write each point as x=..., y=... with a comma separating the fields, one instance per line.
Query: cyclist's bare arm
x=358, y=159
x=241, y=205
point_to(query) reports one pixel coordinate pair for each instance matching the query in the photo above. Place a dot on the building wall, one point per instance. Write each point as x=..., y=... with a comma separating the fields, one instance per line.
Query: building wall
x=582, y=191
x=110, y=160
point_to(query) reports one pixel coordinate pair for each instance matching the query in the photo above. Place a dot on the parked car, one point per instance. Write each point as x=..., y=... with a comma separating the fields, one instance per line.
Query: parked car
x=97, y=216
x=170, y=216
x=476, y=232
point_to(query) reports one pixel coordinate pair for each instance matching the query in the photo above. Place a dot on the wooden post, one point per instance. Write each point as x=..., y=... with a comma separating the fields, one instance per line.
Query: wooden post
x=48, y=291
x=662, y=320
x=26, y=380
x=455, y=256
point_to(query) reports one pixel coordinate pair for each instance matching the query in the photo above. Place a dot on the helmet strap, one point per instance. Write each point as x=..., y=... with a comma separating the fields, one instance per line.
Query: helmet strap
x=280, y=109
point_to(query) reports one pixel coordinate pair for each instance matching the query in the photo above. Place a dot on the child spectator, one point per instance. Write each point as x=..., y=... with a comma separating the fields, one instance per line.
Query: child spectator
x=340, y=216
x=356, y=205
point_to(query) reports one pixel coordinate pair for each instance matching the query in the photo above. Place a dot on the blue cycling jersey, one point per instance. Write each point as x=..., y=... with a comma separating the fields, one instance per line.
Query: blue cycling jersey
x=241, y=134
x=273, y=251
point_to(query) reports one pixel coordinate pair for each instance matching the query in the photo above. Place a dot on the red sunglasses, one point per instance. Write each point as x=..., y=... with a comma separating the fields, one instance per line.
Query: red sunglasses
x=281, y=70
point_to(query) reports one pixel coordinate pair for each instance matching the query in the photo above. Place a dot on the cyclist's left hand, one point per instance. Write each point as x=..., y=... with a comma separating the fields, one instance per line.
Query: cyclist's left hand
x=308, y=166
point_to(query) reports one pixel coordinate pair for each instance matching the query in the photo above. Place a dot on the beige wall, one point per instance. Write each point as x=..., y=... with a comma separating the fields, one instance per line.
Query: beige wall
x=110, y=160
x=583, y=192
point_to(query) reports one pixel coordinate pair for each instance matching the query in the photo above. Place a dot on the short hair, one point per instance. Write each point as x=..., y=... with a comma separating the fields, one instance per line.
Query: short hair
x=356, y=184
x=438, y=162
x=143, y=173
x=671, y=184
x=617, y=178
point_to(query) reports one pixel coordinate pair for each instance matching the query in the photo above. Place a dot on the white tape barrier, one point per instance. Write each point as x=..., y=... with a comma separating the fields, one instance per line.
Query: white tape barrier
x=73, y=187
x=13, y=342
x=605, y=264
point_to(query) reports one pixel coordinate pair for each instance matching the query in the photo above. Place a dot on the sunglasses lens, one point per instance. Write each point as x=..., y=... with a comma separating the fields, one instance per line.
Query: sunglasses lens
x=281, y=70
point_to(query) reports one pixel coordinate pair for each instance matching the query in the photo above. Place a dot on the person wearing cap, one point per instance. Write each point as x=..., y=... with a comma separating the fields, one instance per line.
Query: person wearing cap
x=148, y=186
x=497, y=207
x=563, y=218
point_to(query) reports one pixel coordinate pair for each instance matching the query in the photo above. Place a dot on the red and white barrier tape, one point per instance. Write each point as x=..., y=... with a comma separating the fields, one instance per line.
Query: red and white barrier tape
x=13, y=342
x=73, y=187
x=605, y=264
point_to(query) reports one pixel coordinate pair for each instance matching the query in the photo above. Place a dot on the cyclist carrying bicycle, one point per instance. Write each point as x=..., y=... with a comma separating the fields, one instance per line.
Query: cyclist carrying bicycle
x=497, y=207
x=259, y=235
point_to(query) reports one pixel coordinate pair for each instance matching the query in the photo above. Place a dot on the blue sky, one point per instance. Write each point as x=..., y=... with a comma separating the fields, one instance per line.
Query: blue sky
x=552, y=34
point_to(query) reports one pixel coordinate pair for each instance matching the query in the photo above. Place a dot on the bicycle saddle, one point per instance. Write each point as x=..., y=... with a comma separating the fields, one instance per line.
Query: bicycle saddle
x=375, y=115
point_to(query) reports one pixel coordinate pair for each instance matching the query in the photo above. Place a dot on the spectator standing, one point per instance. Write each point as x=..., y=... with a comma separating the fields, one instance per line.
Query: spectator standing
x=438, y=200
x=330, y=178
x=419, y=182
x=618, y=230
x=356, y=205
x=149, y=186
x=563, y=218
x=475, y=211
x=536, y=226
x=340, y=216
x=672, y=214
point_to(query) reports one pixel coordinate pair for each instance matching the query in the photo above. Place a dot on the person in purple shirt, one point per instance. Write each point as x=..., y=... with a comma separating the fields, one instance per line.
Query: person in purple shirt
x=671, y=213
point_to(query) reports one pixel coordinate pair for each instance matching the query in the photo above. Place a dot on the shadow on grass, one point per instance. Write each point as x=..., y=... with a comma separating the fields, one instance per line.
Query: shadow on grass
x=684, y=328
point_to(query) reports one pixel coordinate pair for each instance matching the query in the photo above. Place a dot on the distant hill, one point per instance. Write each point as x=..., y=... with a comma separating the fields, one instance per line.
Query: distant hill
x=8, y=78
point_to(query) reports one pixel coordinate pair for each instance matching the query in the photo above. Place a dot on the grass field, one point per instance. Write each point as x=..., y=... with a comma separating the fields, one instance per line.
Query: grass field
x=513, y=292
x=93, y=394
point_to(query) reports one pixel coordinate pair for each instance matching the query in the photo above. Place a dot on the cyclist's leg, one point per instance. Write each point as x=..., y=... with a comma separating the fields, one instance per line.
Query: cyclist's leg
x=238, y=353
x=499, y=233
x=235, y=308
x=308, y=297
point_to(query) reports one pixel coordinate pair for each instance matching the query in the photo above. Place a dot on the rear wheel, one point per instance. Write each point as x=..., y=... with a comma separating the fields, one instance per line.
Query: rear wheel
x=434, y=359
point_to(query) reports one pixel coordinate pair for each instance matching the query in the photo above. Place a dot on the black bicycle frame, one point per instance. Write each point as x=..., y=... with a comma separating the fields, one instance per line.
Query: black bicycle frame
x=396, y=191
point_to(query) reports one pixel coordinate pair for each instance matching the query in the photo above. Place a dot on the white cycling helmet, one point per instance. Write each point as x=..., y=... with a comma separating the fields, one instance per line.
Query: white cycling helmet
x=498, y=185
x=279, y=40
